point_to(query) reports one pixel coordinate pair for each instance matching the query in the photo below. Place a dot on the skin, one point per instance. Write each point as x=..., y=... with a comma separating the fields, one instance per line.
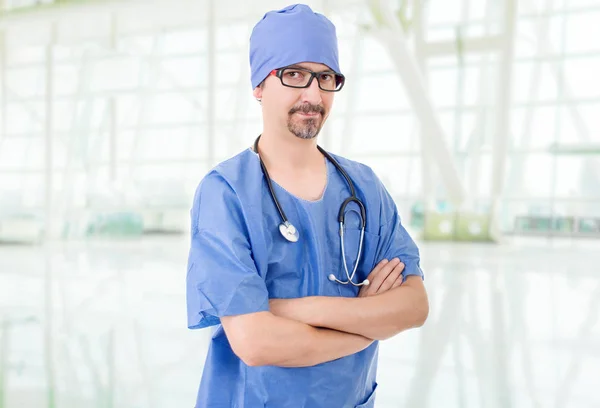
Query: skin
x=312, y=330
x=292, y=120
x=300, y=111
x=293, y=343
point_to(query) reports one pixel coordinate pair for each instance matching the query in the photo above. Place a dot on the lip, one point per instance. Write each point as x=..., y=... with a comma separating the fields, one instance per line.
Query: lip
x=309, y=115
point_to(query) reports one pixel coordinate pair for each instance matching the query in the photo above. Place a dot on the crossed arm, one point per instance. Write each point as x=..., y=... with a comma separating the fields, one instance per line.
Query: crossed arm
x=376, y=317
x=308, y=331
x=266, y=339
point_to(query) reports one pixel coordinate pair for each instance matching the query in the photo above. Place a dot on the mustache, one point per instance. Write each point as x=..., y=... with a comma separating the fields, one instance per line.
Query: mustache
x=308, y=108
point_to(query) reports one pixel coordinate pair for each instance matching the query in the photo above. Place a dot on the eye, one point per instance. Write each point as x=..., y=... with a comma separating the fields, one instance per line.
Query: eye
x=327, y=77
x=294, y=74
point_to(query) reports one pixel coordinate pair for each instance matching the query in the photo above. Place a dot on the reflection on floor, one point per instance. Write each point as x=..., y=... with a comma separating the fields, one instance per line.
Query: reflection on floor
x=102, y=324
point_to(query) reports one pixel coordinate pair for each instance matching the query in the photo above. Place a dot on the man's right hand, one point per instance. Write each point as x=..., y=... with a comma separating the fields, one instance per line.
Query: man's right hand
x=385, y=276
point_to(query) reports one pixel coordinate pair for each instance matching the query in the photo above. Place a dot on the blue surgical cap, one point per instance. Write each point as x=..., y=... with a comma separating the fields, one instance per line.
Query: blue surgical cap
x=289, y=36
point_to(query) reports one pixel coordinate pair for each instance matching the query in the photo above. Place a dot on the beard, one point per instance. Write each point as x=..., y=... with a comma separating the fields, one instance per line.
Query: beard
x=306, y=128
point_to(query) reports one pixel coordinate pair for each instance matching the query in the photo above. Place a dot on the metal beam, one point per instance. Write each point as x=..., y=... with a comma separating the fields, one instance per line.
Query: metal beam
x=464, y=45
x=426, y=160
x=112, y=110
x=48, y=132
x=459, y=98
x=391, y=35
x=211, y=95
x=558, y=117
x=145, y=96
x=501, y=138
x=576, y=149
x=3, y=87
x=515, y=179
x=557, y=12
x=58, y=8
x=77, y=142
x=475, y=145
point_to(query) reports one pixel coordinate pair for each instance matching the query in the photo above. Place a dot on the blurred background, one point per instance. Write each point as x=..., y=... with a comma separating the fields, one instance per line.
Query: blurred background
x=481, y=117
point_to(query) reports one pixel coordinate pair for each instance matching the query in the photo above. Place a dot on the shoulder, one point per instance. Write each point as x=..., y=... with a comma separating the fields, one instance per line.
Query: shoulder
x=227, y=189
x=363, y=176
x=232, y=176
x=358, y=172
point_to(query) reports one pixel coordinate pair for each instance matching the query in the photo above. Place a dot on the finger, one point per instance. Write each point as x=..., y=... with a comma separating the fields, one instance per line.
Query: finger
x=398, y=281
x=392, y=278
x=377, y=268
x=382, y=275
x=389, y=281
x=366, y=290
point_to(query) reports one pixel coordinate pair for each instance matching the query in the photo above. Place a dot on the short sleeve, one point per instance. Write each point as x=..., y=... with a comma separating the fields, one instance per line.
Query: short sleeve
x=395, y=241
x=222, y=278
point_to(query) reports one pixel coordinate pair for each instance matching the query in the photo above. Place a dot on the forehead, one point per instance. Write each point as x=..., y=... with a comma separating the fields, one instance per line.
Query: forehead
x=313, y=66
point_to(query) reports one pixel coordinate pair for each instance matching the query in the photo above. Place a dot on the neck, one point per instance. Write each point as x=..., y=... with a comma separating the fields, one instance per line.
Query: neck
x=288, y=152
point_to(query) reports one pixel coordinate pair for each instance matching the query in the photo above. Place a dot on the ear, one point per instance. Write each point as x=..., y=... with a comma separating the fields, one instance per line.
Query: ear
x=257, y=93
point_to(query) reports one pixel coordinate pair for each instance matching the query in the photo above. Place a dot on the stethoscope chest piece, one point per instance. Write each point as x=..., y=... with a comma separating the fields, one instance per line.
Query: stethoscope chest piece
x=289, y=232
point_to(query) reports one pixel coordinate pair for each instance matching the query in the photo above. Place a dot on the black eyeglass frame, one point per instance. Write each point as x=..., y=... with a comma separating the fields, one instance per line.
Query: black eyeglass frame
x=279, y=74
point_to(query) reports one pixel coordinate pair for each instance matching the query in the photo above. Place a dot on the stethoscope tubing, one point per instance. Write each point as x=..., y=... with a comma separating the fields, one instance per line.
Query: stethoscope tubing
x=341, y=214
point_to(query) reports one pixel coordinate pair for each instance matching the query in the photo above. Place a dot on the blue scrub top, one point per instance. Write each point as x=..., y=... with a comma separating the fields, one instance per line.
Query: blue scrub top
x=238, y=260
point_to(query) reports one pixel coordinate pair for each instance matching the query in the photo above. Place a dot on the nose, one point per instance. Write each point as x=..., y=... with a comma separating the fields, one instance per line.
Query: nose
x=312, y=94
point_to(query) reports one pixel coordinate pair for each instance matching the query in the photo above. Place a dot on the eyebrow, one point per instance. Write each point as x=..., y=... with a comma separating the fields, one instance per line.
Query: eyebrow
x=296, y=66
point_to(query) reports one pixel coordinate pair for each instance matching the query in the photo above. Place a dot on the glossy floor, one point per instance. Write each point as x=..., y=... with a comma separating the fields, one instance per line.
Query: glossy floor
x=102, y=324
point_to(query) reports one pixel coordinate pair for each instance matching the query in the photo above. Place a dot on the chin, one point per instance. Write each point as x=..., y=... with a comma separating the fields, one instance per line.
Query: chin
x=305, y=128
x=307, y=135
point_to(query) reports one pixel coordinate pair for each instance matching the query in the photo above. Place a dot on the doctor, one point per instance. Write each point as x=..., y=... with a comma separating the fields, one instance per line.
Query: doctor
x=299, y=305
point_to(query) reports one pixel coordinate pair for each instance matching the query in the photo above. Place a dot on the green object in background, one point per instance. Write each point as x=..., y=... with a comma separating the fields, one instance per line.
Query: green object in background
x=438, y=226
x=121, y=224
x=468, y=227
x=473, y=227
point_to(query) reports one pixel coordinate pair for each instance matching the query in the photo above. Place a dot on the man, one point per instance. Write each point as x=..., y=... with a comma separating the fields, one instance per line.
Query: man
x=298, y=323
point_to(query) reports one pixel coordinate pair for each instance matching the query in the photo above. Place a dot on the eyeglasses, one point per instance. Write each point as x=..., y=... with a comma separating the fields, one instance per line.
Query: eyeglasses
x=329, y=81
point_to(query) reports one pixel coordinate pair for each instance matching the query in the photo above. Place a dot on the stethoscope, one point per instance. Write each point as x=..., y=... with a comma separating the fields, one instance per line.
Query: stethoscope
x=291, y=233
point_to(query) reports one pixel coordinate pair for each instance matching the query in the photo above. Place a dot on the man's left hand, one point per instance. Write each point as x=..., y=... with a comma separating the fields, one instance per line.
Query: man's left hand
x=385, y=276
